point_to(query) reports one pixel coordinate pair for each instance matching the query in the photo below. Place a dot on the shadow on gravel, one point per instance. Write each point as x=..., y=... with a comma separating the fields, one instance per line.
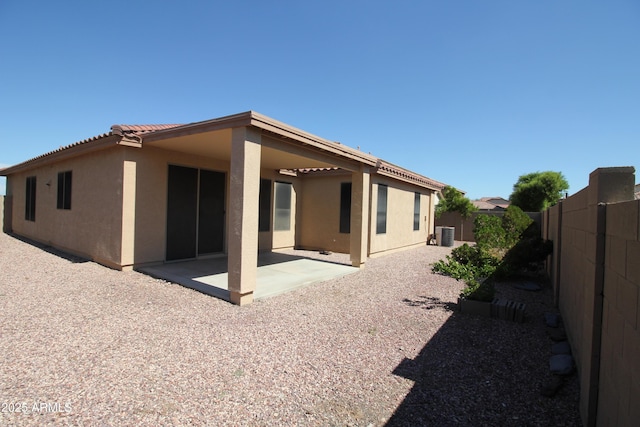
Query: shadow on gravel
x=429, y=303
x=50, y=249
x=478, y=371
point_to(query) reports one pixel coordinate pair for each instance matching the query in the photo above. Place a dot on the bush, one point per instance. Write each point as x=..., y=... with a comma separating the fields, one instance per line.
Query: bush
x=479, y=291
x=504, y=247
x=514, y=222
x=472, y=265
x=488, y=231
x=525, y=256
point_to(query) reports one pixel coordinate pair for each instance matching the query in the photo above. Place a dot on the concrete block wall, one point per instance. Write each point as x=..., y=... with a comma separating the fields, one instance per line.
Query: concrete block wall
x=619, y=394
x=464, y=227
x=595, y=272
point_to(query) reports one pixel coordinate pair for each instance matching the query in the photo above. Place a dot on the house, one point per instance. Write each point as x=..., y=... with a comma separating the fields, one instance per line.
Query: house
x=145, y=195
x=491, y=204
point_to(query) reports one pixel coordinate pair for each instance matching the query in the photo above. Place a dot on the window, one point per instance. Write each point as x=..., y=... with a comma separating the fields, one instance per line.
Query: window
x=264, y=202
x=416, y=211
x=64, y=190
x=282, y=220
x=345, y=207
x=381, y=212
x=30, y=199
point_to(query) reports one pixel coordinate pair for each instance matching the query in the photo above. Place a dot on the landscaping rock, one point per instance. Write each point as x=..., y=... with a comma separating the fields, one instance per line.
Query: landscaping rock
x=479, y=308
x=562, y=347
x=557, y=334
x=561, y=364
x=551, y=387
x=552, y=319
x=508, y=310
x=528, y=286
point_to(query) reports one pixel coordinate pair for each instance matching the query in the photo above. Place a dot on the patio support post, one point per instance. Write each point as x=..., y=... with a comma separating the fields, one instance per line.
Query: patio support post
x=359, y=217
x=244, y=188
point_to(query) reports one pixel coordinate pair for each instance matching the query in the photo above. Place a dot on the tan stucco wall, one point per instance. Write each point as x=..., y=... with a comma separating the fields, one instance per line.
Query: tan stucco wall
x=320, y=217
x=151, y=201
x=2, y=198
x=400, y=231
x=320, y=214
x=92, y=227
x=281, y=239
x=119, y=202
x=152, y=165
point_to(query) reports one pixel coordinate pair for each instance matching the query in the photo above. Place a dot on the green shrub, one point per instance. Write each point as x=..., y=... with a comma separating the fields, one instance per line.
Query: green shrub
x=514, y=222
x=525, y=256
x=488, y=232
x=472, y=265
x=479, y=290
x=504, y=247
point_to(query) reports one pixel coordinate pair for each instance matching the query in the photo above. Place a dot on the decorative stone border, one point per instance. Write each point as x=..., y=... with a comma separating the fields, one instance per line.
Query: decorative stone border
x=498, y=308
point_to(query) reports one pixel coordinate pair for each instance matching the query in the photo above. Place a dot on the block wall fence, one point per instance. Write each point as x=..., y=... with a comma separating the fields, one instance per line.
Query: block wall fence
x=464, y=227
x=595, y=274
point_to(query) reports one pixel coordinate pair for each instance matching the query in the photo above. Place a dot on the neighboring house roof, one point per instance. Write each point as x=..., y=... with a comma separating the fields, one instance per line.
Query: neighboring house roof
x=491, y=203
x=136, y=135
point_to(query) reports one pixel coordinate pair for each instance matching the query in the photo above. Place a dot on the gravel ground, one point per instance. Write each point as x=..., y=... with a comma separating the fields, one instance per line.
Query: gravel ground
x=81, y=344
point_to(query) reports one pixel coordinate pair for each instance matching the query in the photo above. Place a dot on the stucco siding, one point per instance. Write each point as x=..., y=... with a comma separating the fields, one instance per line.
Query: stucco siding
x=152, y=165
x=320, y=216
x=400, y=216
x=151, y=201
x=93, y=225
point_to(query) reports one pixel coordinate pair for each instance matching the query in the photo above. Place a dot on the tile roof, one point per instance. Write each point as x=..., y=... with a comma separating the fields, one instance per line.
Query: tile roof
x=120, y=130
x=64, y=148
x=387, y=169
x=491, y=203
x=406, y=175
x=140, y=129
x=133, y=134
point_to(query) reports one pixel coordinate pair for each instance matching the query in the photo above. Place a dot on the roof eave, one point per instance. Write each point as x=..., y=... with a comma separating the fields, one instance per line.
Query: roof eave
x=82, y=147
x=252, y=118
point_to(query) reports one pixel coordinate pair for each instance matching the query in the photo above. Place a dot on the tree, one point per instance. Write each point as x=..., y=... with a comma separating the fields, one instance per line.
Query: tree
x=454, y=201
x=535, y=192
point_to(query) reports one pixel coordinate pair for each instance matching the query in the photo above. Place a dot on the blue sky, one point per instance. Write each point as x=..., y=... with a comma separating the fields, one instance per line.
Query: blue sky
x=470, y=93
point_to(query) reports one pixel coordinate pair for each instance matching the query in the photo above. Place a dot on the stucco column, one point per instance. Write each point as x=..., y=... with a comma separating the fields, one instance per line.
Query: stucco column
x=244, y=189
x=127, y=246
x=359, y=217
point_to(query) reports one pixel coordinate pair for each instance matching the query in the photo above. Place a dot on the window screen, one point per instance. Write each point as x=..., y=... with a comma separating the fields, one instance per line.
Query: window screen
x=416, y=211
x=381, y=212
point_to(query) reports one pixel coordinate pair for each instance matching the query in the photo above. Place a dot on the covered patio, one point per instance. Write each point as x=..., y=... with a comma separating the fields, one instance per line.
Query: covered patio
x=249, y=144
x=278, y=272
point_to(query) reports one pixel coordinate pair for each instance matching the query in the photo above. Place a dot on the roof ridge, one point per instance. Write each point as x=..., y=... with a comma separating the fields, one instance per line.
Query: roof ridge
x=124, y=128
x=399, y=171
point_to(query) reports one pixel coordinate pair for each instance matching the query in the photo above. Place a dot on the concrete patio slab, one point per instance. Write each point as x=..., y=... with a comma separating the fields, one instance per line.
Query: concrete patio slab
x=277, y=273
